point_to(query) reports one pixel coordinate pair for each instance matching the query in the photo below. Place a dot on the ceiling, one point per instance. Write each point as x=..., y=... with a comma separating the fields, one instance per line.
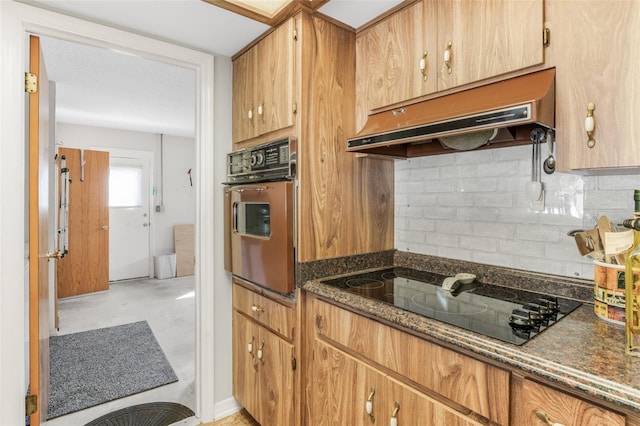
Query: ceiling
x=101, y=87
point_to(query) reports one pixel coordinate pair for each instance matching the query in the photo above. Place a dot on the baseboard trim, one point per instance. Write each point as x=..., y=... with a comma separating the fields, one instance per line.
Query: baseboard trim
x=226, y=408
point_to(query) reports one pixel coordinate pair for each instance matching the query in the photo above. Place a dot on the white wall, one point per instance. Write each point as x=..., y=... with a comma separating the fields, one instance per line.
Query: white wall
x=178, y=157
x=222, y=287
x=471, y=206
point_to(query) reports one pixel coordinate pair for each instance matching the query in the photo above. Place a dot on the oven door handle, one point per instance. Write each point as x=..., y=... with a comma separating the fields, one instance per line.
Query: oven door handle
x=241, y=189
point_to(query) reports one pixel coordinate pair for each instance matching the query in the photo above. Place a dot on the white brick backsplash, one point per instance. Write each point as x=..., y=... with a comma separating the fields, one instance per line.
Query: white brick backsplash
x=471, y=206
x=477, y=215
x=538, y=233
x=500, y=168
x=495, y=199
x=497, y=230
x=439, y=213
x=457, y=171
x=454, y=253
x=422, y=224
x=477, y=185
x=455, y=228
x=479, y=243
x=442, y=239
x=455, y=199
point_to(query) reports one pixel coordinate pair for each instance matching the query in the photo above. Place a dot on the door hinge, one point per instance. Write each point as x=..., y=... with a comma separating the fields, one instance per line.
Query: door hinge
x=546, y=37
x=295, y=34
x=31, y=404
x=293, y=363
x=30, y=82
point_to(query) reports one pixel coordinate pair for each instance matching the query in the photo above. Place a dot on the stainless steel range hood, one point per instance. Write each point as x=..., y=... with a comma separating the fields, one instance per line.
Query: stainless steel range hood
x=511, y=106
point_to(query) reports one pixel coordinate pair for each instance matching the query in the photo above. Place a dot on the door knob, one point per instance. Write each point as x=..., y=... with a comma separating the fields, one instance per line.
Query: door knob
x=145, y=224
x=104, y=227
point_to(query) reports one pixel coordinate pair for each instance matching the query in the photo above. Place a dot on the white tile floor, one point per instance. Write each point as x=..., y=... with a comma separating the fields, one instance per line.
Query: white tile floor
x=168, y=306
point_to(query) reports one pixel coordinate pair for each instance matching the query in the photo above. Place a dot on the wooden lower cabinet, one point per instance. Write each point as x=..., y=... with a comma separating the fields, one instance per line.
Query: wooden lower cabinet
x=539, y=405
x=263, y=369
x=346, y=391
x=429, y=381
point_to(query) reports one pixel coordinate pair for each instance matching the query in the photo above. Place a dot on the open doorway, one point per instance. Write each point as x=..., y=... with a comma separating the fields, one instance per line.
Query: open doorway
x=143, y=210
x=18, y=20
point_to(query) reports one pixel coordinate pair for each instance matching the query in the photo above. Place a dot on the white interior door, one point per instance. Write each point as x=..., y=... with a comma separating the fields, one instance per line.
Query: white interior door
x=129, y=218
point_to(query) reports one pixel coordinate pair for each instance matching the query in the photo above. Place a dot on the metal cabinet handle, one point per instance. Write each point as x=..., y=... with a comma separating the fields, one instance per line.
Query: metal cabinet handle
x=423, y=65
x=447, y=57
x=590, y=124
x=394, y=415
x=250, y=114
x=255, y=308
x=368, y=406
x=545, y=418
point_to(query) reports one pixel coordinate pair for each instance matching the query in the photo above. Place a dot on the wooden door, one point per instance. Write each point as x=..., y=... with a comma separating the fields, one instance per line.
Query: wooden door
x=275, y=63
x=339, y=388
x=85, y=269
x=276, y=380
x=415, y=408
x=243, y=105
x=388, y=59
x=596, y=59
x=488, y=38
x=245, y=363
x=560, y=408
x=39, y=160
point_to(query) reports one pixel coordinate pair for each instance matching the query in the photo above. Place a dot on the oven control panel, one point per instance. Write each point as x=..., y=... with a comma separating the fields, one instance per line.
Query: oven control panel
x=271, y=161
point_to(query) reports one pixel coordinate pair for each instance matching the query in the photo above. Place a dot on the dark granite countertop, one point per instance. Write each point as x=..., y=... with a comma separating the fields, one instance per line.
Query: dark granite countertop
x=581, y=351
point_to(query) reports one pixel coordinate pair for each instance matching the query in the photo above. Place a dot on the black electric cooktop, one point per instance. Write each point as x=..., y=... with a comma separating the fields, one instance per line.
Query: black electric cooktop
x=513, y=316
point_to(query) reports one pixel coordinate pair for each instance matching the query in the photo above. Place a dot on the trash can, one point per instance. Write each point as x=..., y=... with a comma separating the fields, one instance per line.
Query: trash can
x=165, y=265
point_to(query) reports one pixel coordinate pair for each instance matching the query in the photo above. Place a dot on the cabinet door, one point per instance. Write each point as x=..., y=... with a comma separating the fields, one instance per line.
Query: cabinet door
x=539, y=402
x=275, y=85
x=388, y=58
x=243, y=103
x=596, y=61
x=411, y=407
x=245, y=363
x=339, y=388
x=488, y=38
x=276, y=380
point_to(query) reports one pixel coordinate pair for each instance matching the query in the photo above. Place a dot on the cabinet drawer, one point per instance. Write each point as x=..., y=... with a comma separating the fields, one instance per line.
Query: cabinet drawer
x=539, y=401
x=462, y=379
x=271, y=314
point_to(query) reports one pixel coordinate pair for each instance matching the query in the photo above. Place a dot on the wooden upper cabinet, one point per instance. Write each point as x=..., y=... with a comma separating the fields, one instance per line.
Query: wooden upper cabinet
x=592, y=48
x=274, y=77
x=243, y=105
x=487, y=38
x=263, y=85
x=403, y=56
x=388, y=58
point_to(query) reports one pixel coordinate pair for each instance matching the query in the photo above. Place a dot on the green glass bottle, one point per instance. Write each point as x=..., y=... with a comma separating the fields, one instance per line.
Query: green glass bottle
x=632, y=282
